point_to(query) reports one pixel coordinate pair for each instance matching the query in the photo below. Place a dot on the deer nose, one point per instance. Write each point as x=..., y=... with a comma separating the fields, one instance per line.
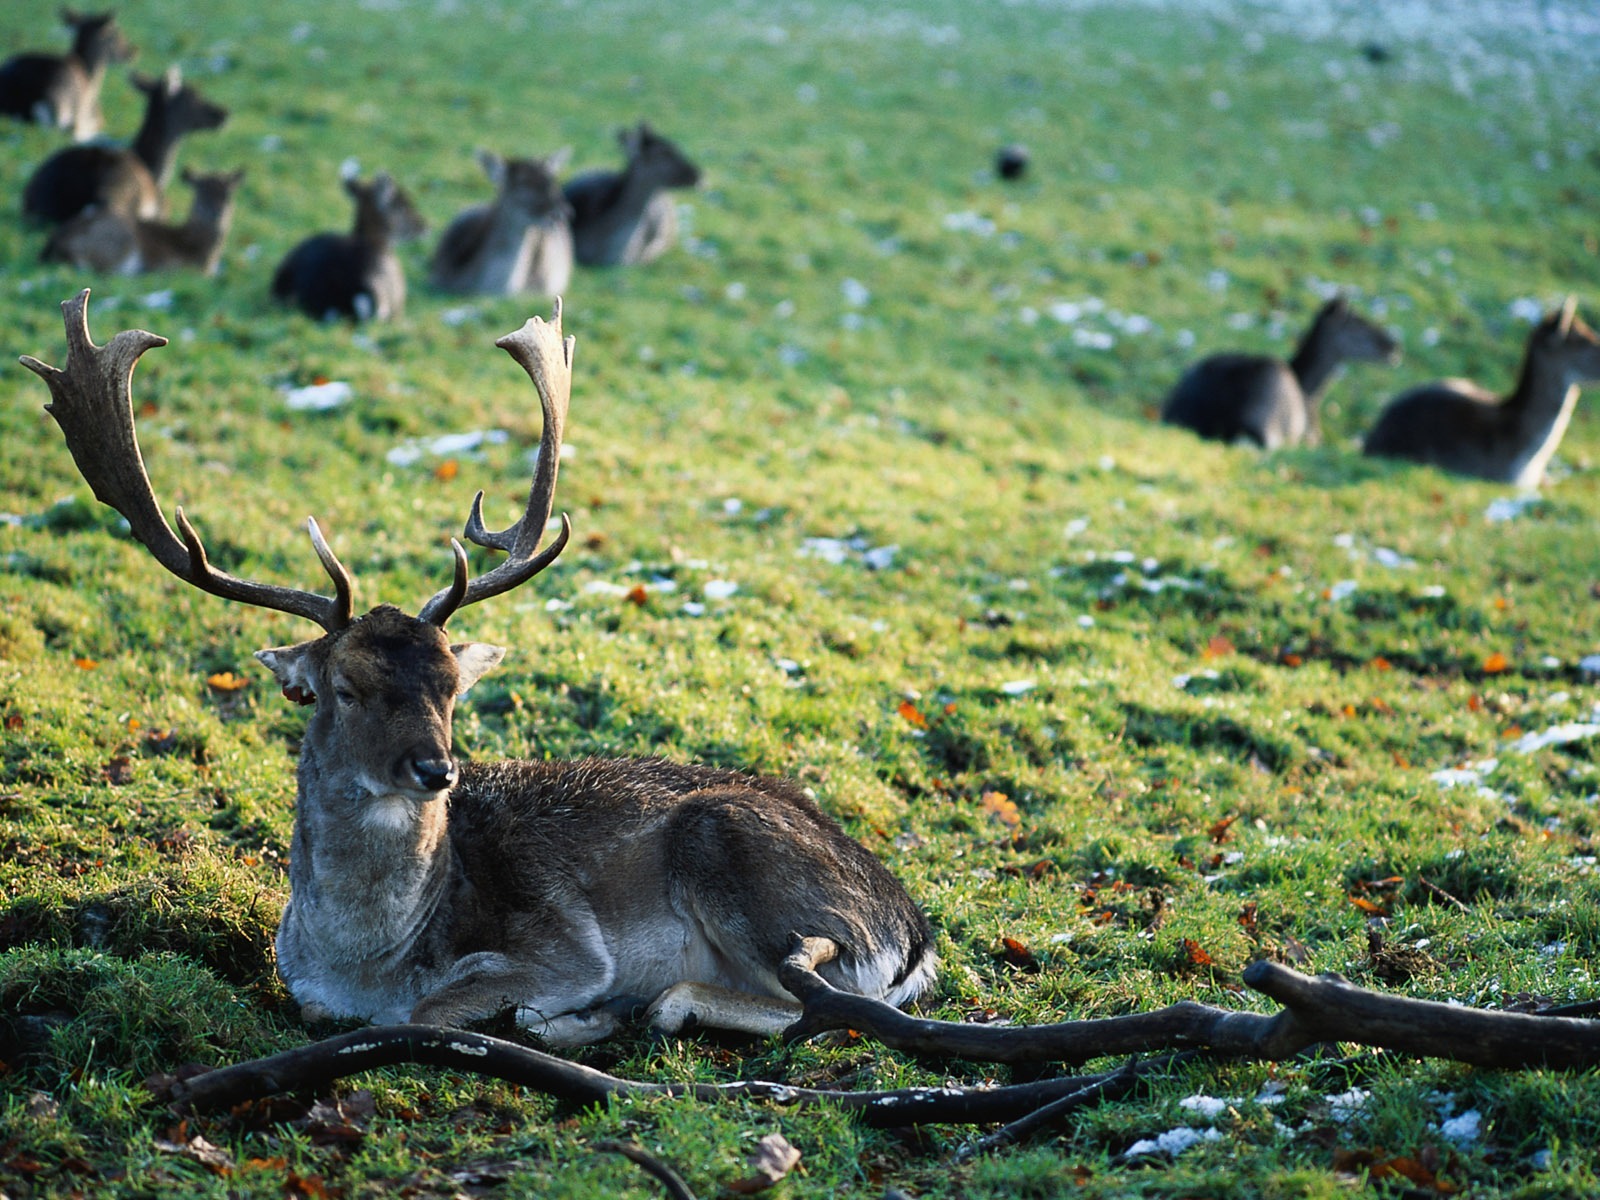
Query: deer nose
x=434, y=774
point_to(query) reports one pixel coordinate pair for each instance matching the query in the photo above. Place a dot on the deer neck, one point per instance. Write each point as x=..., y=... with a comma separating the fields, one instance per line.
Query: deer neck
x=1536, y=414
x=156, y=144
x=372, y=229
x=366, y=870
x=1315, y=363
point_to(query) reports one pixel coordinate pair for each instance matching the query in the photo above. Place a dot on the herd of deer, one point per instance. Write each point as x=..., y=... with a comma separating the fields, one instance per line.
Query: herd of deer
x=107, y=204
x=430, y=890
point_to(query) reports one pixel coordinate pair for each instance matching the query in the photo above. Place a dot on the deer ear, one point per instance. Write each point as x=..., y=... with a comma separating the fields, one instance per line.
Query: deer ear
x=294, y=668
x=475, y=660
x=493, y=166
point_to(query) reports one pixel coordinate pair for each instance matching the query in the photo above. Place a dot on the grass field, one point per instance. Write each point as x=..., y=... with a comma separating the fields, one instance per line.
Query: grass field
x=866, y=490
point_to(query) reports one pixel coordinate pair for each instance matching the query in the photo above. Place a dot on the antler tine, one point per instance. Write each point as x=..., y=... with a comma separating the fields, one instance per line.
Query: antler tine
x=92, y=402
x=541, y=351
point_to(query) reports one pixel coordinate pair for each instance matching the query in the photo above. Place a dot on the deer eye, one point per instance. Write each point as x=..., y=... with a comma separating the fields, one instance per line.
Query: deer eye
x=344, y=695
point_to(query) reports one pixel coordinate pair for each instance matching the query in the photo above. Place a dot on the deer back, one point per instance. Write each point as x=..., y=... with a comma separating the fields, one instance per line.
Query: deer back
x=520, y=243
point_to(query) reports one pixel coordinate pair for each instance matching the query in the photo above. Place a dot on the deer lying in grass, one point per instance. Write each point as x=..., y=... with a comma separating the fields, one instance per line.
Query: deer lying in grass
x=126, y=180
x=355, y=274
x=63, y=90
x=435, y=891
x=1456, y=425
x=1261, y=399
x=621, y=218
x=116, y=243
x=520, y=243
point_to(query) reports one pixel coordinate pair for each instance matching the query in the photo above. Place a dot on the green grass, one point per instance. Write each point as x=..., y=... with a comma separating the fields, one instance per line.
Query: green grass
x=729, y=404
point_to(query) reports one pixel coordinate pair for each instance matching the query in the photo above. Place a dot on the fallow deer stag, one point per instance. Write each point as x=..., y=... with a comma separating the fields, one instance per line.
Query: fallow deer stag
x=1261, y=399
x=435, y=891
x=1459, y=426
x=63, y=90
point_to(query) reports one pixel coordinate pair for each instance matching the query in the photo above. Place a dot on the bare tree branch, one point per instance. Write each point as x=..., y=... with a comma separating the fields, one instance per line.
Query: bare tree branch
x=319, y=1064
x=1324, y=1008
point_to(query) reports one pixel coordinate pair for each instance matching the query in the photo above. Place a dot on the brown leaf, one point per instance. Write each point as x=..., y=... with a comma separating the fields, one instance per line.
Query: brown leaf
x=1217, y=647
x=119, y=770
x=1015, y=953
x=1000, y=807
x=1495, y=663
x=638, y=594
x=772, y=1159
x=226, y=681
x=1193, y=954
x=1368, y=907
x=1218, y=833
x=910, y=713
x=197, y=1149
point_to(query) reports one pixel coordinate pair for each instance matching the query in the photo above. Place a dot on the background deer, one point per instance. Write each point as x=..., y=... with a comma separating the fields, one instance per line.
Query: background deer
x=1458, y=426
x=1265, y=400
x=620, y=218
x=520, y=243
x=355, y=274
x=63, y=90
x=126, y=180
x=431, y=890
x=114, y=242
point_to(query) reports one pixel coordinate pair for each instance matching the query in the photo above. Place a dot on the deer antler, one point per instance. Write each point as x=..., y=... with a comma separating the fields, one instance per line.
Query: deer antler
x=546, y=356
x=93, y=404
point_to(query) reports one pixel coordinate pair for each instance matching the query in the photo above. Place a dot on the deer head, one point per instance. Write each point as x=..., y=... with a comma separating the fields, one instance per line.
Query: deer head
x=385, y=684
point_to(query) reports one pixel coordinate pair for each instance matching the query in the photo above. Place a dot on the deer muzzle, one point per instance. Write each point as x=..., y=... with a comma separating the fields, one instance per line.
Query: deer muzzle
x=433, y=774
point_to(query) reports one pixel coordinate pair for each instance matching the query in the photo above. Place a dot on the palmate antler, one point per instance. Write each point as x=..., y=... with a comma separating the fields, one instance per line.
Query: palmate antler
x=546, y=356
x=92, y=403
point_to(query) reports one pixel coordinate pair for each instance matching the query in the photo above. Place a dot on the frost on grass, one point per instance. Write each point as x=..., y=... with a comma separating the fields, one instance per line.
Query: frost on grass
x=1476, y=774
x=839, y=551
x=1173, y=1142
x=318, y=397
x=1510, y=508
x=413, y=451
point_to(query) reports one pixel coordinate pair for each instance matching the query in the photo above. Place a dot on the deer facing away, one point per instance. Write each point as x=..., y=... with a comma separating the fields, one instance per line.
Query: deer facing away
x=1265, y=400
x=355, y=274
x=99, y=240
x=129, y=180
x=1456, y=425
x=520, y=243
x=437, y=891
x=63, y=90
x=623, y=218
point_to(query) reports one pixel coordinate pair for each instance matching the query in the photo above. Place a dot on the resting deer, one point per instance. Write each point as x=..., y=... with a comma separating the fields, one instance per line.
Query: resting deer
x=622, y=218
x=355, y=274
x=126, y=180
x=63, y=90
x=1458, y=426
x=436, y=891
x=1261, y=399
x=113, y=242
x=520, y=243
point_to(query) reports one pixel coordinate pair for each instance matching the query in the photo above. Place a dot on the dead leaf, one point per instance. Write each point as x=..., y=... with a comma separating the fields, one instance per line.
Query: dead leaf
x=772, y=1159
x=910, y=713
x=1193, y=954
x=13, y=721
x=1217, y=647
x=119, y=770
x=1495, y=663
x=447, y=470
x=1219, y=832
x=85, y=664
x=1015, y=953
x=998, y=806
x=226, y=681
x=639, y=594
x=197, y=1149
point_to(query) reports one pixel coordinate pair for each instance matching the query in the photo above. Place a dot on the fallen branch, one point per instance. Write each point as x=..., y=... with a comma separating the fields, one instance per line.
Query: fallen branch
x=1323, y=1008
x=310, y=1068
x=677, y=1189
x=1110, y=1087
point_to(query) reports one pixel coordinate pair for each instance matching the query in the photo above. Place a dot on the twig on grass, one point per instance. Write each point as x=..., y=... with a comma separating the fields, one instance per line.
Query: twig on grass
x=1110, y=1087
x=677, y=1189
